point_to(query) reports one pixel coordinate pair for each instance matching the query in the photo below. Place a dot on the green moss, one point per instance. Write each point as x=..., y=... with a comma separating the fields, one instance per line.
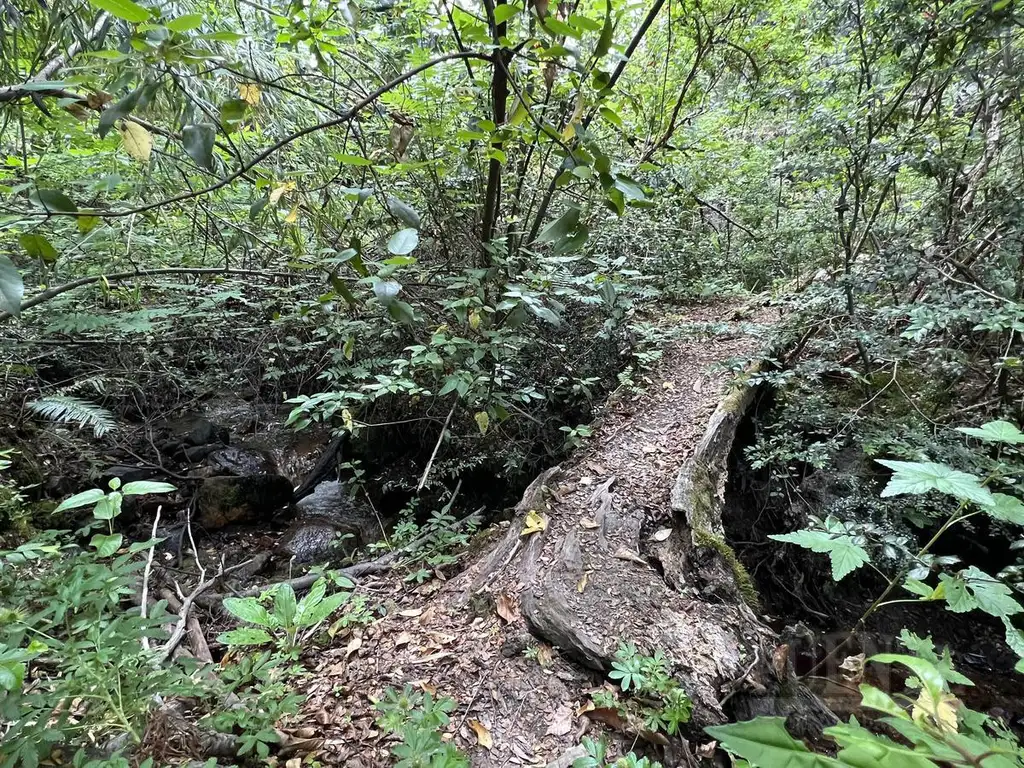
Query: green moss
x=745, y=584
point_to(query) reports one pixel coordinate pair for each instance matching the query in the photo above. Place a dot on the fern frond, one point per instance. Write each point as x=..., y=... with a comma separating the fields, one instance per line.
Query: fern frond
x=74, y=410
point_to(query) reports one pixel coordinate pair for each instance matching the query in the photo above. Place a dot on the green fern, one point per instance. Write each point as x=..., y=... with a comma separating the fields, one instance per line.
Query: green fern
x=74, y=410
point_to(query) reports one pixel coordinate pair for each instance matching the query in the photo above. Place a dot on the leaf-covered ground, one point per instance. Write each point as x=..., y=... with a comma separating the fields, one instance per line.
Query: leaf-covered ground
x=520, y=701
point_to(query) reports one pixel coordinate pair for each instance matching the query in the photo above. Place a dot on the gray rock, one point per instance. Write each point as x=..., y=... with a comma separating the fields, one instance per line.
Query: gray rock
x=240, y=460
x=223, y=501
x=329, y=522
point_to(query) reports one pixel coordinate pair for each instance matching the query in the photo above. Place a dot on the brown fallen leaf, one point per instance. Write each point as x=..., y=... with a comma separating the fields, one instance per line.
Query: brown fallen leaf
x=506, y=608
x=582, y=585
x=707, y=751
x=403, y=639
x=561, y=721
x=483, y=736
x=411, y=613
x=428, y=687
x=597, y=469
x=544, y=656
x=431, y=657
x=353, y=645
x=626, y=554
x=589, y=523
x=607, y=715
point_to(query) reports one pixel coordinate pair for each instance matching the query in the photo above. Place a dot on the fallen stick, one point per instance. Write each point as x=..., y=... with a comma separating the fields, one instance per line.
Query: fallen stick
x=382, y=563
x=196, y=637
x=145, y=575
x=186, y=607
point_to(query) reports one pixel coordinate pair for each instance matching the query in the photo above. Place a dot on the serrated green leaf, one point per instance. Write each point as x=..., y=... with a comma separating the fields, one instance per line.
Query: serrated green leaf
x=929, y=675
x=249, y=609
x=844, y=553
x=916, y=477
x=1006, y=508
x=992, y=596
x=995, y=432
x=958, y=598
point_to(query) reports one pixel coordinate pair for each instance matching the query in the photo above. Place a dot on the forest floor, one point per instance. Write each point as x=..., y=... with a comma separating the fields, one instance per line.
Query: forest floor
x=519, y=701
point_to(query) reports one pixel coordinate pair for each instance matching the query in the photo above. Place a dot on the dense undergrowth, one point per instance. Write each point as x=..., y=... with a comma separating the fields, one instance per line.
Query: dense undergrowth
x=452, y=232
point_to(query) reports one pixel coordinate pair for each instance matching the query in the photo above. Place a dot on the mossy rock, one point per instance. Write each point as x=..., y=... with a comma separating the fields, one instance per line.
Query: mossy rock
x=223, y=501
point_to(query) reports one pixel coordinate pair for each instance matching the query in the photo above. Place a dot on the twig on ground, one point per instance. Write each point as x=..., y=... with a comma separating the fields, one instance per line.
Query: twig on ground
x=197, y=639
x=146, y=573
x=186, y=607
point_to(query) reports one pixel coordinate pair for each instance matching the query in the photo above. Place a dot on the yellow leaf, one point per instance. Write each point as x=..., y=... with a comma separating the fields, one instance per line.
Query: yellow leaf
x=292, y=216
x=483, y=736
x=483, y=421
x=535, y=523
x=280, y=190
x=942, y=712
x=474, y=319
x=346, y=418
x=136, y=141
x=250, y=93
x=582, y=585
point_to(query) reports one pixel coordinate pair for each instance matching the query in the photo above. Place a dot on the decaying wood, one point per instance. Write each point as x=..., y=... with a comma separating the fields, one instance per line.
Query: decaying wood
x=597, y=577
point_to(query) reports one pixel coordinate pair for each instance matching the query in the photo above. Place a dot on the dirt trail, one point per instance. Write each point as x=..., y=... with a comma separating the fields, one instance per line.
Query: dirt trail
x=615, y=563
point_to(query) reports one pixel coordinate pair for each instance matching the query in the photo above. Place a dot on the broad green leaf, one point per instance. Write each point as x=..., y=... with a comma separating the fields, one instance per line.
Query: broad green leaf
x=38, y=247
x=1014, y=637
x=87, y=224
x=872, y=698
x=402, y=312
x=106, y=544
x=198, y=142
x=503, y=13
x=915, y=477
x=404, y=241
x=561, y=228
x=929, y=675
x=845, y=555
x=123, y=9
x=245, y=636
x=355, y=160
x=604, y=43
x=52, y=200
x=186, y=23
x=919, y=588
x=285, y=605
x=139, y=487
x=766, y=743
x=233, y=111
x=12, y=674
x=321, y=610
x=12, y=288
x=83, y=499
x=995, y=432
x=1006, y=508
x=249, y=609
x=403, y=213
x=118, y=111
